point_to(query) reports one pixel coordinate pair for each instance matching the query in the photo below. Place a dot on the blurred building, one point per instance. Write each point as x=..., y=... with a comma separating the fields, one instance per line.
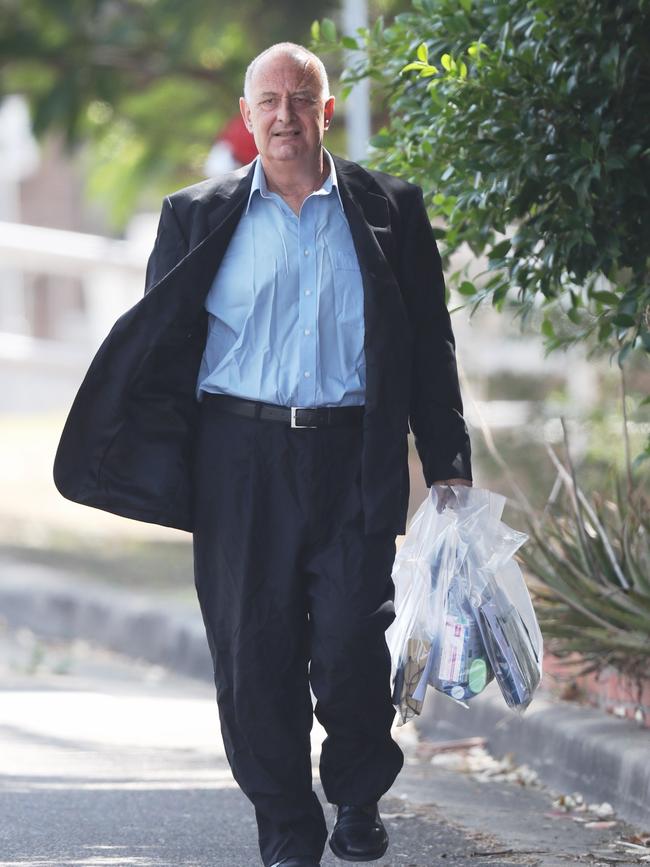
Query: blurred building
x=62, y=281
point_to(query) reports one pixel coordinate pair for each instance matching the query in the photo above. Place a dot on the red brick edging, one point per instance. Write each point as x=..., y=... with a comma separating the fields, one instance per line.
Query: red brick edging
x=608, y=690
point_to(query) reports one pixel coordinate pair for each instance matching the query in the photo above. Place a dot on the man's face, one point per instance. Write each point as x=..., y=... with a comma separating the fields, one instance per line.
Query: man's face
x=286, y=110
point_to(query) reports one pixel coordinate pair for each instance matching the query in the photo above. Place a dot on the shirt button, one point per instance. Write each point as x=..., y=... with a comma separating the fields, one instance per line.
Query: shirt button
x=306, y=252
x=307, y=374
x=307, y=291
x=307, y=330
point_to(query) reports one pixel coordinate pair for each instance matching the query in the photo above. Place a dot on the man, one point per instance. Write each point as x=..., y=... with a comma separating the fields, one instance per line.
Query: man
x=259, y=395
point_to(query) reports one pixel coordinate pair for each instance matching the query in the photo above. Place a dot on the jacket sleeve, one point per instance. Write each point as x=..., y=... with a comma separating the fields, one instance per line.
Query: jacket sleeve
x=169, y=248
x=436, y=408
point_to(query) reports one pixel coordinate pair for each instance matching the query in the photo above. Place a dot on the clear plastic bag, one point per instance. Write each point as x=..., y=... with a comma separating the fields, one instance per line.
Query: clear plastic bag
x=463, y=612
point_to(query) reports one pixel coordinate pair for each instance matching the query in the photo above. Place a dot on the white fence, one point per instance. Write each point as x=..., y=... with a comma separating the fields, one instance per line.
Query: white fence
x=60, y=292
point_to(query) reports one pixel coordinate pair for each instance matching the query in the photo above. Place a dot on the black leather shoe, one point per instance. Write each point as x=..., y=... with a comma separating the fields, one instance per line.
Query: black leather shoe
x=296, y=862
x=359, y=834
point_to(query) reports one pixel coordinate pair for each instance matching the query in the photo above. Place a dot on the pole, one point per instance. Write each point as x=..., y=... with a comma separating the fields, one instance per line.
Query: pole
x=357, y=107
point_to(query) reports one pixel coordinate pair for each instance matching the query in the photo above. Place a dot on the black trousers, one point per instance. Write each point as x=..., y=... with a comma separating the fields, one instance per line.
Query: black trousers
x=294, y=594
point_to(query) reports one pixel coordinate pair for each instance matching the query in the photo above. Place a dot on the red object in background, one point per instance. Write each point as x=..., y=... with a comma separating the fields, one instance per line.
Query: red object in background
x=241, y=141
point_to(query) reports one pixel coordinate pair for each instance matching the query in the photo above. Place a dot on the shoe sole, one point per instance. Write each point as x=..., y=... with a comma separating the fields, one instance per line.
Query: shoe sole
x=357, y=858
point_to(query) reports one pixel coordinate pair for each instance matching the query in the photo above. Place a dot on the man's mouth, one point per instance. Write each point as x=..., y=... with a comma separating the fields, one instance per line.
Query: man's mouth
x=287, y=134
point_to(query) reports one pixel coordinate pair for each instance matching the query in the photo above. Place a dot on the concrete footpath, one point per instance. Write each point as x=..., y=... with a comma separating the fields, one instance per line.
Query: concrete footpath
x=572, y=748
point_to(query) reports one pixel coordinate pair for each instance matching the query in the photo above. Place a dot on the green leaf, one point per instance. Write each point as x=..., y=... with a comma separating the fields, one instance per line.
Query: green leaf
x=606, y=297
x=623, y=354
x=604, y=331
x=547, y=328
x=476, y=48
x=328, y=28
x=499, y=295
x=573, y=315
x=415, y=64
x=315, y=31
x=381, y=140
x=614, y=162
x=350, y=42
x=499, y=250
x=446, y=62
x=624, y=320
x=422, y=52
x=586, y=149
x=467, y=288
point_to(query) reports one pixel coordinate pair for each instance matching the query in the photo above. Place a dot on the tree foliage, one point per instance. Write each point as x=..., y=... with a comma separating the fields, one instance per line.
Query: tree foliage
x=148, y=82
x=527, y=123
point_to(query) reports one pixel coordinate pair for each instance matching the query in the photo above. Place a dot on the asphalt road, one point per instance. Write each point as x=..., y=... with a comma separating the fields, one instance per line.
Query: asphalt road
x=105, y=761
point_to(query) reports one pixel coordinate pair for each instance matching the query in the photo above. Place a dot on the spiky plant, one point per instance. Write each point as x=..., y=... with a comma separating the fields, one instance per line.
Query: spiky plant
x=589, y=559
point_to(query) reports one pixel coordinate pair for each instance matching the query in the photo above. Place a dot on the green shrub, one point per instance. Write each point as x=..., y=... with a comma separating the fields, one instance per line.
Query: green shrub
x=527, y=123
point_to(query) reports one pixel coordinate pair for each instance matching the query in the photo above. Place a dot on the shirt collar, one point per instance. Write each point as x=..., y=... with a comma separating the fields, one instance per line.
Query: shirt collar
x=259, y=181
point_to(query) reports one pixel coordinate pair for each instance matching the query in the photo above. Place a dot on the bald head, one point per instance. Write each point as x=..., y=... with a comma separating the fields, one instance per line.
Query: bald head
x=301, y=55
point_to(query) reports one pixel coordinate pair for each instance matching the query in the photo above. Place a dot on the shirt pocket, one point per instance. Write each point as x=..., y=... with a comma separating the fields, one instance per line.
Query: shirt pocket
x=346, y=260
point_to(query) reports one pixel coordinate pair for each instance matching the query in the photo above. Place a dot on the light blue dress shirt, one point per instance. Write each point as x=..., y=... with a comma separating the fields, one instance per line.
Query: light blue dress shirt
x=286, y=323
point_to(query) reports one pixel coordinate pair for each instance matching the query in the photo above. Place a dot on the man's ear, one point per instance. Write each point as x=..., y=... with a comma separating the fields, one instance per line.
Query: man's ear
x=328, y=111
x=245, y=113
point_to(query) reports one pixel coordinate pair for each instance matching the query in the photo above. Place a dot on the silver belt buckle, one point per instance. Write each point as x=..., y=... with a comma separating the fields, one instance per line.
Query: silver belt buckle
x=294, y=423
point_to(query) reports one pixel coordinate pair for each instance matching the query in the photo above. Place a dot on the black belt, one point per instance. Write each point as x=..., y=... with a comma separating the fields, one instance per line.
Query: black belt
x=295, y=416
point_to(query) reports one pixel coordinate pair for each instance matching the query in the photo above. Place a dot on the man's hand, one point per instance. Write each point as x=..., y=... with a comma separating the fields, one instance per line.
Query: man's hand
x=446, y=494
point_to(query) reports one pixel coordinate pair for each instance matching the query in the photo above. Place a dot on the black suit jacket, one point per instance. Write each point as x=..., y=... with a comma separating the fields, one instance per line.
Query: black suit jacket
x=127, y=445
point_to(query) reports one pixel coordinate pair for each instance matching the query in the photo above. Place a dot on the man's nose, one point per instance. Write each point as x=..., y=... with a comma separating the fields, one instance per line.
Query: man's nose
x=285, y=109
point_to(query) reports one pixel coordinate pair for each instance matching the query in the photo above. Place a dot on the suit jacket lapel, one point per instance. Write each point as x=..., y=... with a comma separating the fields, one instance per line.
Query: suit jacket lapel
x=180, y=295
x=385, y=317
x=230, y=200
x=367, y=211
x=369, y=218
